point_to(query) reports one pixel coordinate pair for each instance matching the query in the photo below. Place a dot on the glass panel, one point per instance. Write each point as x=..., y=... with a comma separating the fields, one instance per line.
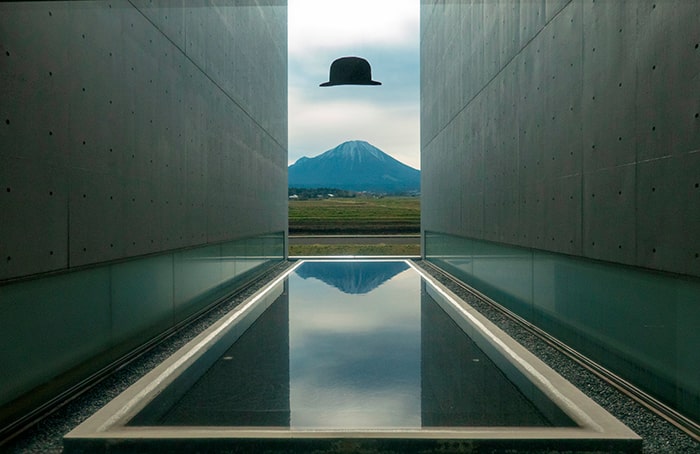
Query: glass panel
x=639, y=324
x=50, y=325
x=112, y=308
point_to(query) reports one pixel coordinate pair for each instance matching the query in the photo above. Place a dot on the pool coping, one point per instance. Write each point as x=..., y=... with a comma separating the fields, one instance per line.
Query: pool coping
x=597, y=429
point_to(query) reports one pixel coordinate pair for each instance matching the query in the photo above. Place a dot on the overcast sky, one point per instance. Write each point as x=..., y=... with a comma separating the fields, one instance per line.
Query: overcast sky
x=386, y=33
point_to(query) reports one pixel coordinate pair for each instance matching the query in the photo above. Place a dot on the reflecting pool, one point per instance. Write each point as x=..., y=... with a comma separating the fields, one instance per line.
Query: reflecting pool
x=350, y=345
x=352, y=356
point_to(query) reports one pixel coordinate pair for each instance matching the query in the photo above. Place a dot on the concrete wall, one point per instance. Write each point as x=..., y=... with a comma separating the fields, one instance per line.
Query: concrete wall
x=570, y=130
x=566, y=126
x=143, y=157
x=129, y=129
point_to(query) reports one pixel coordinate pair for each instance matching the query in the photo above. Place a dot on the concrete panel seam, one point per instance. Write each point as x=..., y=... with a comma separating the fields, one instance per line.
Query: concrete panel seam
x=216, y=84
x=495, y=76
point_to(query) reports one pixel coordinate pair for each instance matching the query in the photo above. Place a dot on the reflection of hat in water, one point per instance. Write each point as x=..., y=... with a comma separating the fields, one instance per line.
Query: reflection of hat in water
x=350, y=71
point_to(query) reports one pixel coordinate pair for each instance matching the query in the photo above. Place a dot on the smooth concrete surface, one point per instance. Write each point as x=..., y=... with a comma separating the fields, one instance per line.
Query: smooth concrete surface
x=566, y=126
x=596, y=430
x=554, y=131
x=130, y=128
x=143, y=159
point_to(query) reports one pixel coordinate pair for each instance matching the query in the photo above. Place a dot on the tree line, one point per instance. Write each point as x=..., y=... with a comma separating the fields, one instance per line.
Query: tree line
x=317, y=193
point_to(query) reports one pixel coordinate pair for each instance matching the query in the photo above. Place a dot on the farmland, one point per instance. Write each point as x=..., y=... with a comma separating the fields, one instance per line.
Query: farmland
x=354, y=249
x=355, y=216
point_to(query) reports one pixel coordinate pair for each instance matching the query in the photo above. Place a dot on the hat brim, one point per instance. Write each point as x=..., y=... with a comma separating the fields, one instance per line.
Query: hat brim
x=332, y=84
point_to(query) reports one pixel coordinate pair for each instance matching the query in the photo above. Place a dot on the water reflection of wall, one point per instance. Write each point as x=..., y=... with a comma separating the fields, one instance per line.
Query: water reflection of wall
x=248, y=385
x=460, y=385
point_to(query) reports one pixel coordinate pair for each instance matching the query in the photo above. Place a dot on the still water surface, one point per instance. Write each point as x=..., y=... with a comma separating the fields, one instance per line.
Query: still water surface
x=349, y=345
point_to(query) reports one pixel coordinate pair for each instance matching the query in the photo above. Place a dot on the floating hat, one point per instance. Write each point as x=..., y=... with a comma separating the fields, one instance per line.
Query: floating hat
x=350, y=71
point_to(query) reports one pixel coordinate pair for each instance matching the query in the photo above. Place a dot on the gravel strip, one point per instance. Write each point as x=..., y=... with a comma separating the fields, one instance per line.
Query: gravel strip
x=658, y=436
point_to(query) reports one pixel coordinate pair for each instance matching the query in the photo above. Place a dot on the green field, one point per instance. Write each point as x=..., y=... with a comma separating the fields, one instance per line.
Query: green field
x=355, y=216
x=353, y=249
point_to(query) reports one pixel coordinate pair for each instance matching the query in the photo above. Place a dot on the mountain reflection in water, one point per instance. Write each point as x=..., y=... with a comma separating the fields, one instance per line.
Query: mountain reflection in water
x=335, y=355
x=353, y=277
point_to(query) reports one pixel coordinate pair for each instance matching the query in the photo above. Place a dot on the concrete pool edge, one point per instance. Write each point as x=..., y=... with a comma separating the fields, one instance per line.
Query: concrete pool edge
x=597, y=431
x=123, y=407
x=591, y=417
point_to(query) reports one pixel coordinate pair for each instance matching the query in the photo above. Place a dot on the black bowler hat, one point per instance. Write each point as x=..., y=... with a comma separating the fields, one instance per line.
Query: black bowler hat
x=350, y=71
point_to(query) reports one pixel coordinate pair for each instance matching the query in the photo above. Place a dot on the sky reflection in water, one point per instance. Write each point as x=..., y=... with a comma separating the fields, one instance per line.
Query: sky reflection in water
x=364, y=348
x=355, y=359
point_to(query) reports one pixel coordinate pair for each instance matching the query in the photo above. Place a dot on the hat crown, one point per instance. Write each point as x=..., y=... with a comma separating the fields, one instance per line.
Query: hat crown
x=350, y=71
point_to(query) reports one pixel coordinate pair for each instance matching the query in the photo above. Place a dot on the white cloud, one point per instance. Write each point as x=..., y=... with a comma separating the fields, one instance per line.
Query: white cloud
x=327, y=24
x=327, y=405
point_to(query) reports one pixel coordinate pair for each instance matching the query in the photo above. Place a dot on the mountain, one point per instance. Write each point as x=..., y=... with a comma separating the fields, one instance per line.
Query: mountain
x=355, y=166
x=356, y=277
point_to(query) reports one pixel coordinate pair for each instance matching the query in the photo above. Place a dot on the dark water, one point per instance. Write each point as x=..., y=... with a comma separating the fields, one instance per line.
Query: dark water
x=351, y=345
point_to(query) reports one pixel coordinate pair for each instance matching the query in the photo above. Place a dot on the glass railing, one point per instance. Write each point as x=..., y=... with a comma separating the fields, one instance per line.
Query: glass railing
x=640, y=324
x=54, y=324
